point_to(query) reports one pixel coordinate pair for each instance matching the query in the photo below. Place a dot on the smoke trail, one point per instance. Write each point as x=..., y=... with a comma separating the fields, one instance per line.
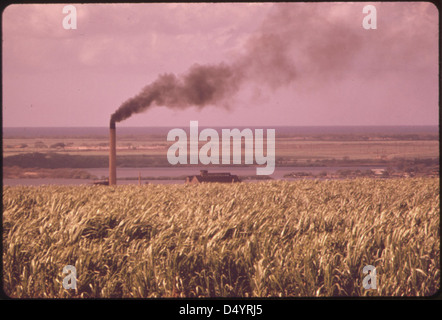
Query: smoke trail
x=200, y=86
x=266, y=61
x=324, y=39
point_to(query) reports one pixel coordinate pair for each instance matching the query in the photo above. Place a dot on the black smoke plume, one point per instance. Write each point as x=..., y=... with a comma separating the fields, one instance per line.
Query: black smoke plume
x=266, y=61
x=326, y=40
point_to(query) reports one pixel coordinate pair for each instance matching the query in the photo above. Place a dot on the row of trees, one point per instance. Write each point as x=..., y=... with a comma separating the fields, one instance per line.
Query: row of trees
x=60, y=160
x=42, y=145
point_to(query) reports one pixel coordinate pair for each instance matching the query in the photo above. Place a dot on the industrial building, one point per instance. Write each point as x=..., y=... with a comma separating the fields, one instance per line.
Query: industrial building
x=205, y=176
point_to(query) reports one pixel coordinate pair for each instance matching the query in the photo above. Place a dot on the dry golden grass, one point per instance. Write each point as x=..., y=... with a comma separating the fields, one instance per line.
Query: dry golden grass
x=267, y=239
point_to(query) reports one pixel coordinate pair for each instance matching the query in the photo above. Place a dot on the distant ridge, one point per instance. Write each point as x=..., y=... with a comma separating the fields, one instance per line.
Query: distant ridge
x=16, y=132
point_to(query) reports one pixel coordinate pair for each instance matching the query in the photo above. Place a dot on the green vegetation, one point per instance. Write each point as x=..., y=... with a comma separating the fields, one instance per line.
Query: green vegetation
x=54, y=160
x=291, y=150
x=265, y=239
x=16, y=172
x=62, y=160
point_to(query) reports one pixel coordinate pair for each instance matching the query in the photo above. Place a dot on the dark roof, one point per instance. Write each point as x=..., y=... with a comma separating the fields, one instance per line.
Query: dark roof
x=214, y=177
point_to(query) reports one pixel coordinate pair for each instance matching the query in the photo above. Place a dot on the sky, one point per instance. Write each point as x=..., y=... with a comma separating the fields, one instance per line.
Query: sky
x=222, y=64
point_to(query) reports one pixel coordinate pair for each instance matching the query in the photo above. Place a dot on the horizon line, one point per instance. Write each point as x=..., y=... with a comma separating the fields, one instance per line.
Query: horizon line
x=219, y=126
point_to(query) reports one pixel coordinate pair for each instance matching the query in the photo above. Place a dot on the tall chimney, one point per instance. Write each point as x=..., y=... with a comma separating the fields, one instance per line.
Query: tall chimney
x=112, y=155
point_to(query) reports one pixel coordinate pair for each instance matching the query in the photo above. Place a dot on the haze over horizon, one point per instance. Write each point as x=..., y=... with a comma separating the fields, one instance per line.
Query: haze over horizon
x=340, y=73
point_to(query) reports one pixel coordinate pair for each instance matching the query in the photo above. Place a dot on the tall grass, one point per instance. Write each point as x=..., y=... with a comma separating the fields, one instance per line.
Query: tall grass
x=266, y=239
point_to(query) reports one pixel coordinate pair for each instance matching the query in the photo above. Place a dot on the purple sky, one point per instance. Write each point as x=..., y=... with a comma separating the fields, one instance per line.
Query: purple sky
x=342, y=73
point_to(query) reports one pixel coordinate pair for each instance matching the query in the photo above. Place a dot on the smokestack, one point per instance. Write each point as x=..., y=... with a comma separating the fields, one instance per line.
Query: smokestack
x=112, y=155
